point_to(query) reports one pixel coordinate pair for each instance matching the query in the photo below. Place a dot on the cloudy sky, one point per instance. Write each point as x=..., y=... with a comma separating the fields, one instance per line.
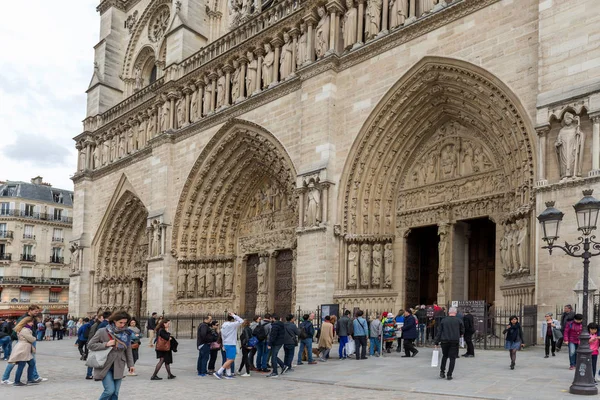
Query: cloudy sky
x=46, y=65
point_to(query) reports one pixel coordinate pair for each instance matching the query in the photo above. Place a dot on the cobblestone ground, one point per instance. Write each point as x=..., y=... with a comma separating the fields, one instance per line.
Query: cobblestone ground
x=485, y=377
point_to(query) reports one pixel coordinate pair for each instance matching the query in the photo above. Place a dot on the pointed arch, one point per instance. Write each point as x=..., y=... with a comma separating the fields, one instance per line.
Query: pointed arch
x=434, y=94
x=220, y=186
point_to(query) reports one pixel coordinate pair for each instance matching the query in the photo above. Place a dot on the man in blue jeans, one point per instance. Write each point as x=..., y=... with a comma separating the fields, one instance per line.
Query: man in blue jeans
x=262, y=332
x=344, y=328
x=275, y=343
x=421, y=315
x=203, y=340
x=6, y=343
x=307, y=343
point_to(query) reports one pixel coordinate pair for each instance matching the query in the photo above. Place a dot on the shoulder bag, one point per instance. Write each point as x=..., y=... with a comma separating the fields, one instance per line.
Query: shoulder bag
x=97, y=359
x=162, y=344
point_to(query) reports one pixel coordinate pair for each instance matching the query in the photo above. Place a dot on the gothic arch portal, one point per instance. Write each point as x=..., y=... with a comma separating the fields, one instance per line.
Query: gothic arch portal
x=448, y=142
x=238, y=201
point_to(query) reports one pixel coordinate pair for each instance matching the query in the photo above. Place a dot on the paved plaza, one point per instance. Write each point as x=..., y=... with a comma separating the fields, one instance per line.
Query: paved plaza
x=486, y=376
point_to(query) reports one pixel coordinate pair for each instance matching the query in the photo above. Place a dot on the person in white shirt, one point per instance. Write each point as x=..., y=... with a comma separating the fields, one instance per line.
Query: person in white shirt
x=229, y=336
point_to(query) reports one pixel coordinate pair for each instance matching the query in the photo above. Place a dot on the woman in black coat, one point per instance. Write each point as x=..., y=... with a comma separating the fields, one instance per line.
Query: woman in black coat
x=244, y=339
x=514, y=339
x=165, y=355
x=215, y=346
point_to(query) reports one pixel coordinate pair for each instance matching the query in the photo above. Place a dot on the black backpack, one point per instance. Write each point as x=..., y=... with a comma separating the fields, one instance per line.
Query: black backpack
x=260, y=332
x=302, y=334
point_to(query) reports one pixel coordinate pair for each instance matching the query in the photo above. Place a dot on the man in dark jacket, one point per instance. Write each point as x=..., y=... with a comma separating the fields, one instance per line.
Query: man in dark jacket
x=469, y=323
x=83, y=334
x=409, y=334
x=261, y=332
x=448, y=333
x=421, y=315
x=204, y=338
x=290, y=341
x=151, y=327
x=567, y=316
x=309, y=331
x=275, y=341
x=344, y=328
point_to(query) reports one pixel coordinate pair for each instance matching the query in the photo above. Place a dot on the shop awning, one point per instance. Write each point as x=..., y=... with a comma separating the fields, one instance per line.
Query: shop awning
x=26, y=288
x=56, y=289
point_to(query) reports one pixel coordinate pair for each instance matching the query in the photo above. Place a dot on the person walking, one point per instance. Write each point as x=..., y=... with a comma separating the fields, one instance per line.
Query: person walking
x=245, y=337
x=252, y=355
x=325, y=339
x=136, y=336
x=409, y=333
x=151, y=328
x=571, y=338
x=421, y=315
x=262, y=331
x=229, y=336
x=164, y=351
x=204, y=338
x=344, y=328
x=33, y=311
x=101, y=322
x=594, y=344
x=82, y=338
x=117, y=336
x=5, y=341
x=275, y=343
x=309, y=332
x=567, y=316
x=375, y=332
x=548, y=333
x=290, y=341
x=448, y=333
x=361, y=332
x=513, y=339
x=469, y=323
x=22, y=353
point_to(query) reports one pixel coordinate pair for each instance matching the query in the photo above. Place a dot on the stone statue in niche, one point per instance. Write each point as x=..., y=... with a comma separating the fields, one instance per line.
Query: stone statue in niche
x=151, y=127
x=322, y=33
x=467, y=159
x=388, y=256
x=104, y=294
x=480, y=161
x=431, y=171
x=181, y=277
x=96, y=158
x=350, y=24
x=522, y=245
x=122, y=145
x=138, y=78
x=504, y=251
x=376, y=277
x=201, y=280
x=267, y=66
x=235, y=81
x=194, y=106
x=427, y=6
x=210, y=280
x=301, y=46
x=365, y=264
x=130, y=141
x=219, y=280
x=251, y=73
x=141, y=135
x=113, y=149
x=191, y=281
x=220, y=89
x=398, y=12
x=511, y=236
x=156, y=236
x=119, y=294
x=352, y=265
x=180, y=108
x=261, y=275
x=442, y=249
x=208, y=94
x=569, y=146
x=112, y=292
x=286, y=58
x=312, y=215
x=105, y=151
x=228, y=278
x=373, y=20
x=448, y=162
x=164, y=117
x=127, y=294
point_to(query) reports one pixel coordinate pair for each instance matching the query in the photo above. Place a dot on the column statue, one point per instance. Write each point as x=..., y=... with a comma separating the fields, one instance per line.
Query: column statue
x=208, y=93
x=443, y=258
x=373, y=20
x=267, y=66
x=104, y=294
x=119, y=294
x=352, y=265
x=365, y=264
x=301, y=46
x=350, y=21
x=194, y=106
x=210, y=280
x=569, y=146
x=398, y=12
x=312, y=215
x=376, y=277
x=261, y=275
x=201, y=280
x=191, y=281
x=388, y=256
x=219, y=280
x=427, y=6
x=286, y=59
x=228, y=279
x=251, y=74
x=235, y=81
x=180, y=109
x=181, y=275
x=127, y=294
x=220, y=89
x=112, y=296
x=322, y=33
x=522, y=245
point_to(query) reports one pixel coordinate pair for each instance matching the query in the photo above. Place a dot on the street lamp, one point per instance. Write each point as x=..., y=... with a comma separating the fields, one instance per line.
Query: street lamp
x=587, y=210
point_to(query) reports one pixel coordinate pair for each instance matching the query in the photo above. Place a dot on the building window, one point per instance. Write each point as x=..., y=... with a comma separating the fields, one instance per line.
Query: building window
x=29, y=210
x=26, y=272
x=55, y=273
x=1, y=272
x=58, y=197
x=28, y=232
x=2, y=250
x=54, y=297
x=25, y=296
x=4, y=208
x=27, y=253
x=56, y=255
x=57, y=235
x=3, y=230
x=58, y=214
x=9, y=191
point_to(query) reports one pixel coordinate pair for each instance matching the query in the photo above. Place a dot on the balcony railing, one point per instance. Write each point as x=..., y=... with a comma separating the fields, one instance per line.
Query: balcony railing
x=6, y=234
x=53, y=300
x=5, y=257
x=57, y=260
x=28, y=257
x=28, y=236
x=31, y=280
x=36, y=215
x=58, y=239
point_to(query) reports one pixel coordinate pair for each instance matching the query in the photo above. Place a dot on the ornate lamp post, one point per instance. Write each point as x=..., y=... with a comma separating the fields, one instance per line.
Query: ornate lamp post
x=587, y=216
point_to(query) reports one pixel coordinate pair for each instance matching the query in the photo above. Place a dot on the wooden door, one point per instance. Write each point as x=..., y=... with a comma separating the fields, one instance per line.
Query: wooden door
x=251, y=284
x=482, y=255
x=284, y=282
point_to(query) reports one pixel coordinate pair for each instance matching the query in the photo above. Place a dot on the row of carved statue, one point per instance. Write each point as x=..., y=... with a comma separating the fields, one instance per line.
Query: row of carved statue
x=206, y=279
x=117, y=294
x=370, y=266
x=514, y=248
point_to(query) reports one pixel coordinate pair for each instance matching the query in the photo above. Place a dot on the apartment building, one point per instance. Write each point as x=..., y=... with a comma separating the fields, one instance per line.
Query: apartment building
x=35, y=229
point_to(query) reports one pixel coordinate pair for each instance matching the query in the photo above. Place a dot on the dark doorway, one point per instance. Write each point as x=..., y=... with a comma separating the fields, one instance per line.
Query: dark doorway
x=422, y=262
x=251, y=284
x=283, y=282
x=482, y=255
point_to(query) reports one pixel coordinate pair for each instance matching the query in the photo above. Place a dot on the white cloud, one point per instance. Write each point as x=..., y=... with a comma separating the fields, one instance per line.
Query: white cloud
x=46, y=65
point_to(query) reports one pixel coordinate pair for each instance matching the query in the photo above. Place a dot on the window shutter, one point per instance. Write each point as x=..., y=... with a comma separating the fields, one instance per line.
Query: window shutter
x=50, y=213
x=12, y=205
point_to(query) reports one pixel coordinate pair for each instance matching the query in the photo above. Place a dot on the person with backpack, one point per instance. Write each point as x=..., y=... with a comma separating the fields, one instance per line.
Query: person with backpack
x=82, y=338
x=290, y=341
x=361, y=332
x=204, y=338
x=261, y=332
x=245, y=338
x=275, y=343
x=571, y=338
x=252, y=355
x=375, y=335
x=305, y=335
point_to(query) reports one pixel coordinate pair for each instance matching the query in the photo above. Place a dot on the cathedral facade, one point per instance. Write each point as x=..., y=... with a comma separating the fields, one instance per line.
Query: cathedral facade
x=269, y=155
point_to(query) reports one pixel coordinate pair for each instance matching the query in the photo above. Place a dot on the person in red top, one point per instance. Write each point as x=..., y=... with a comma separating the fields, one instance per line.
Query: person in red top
x=594, y=344
x=572, y=331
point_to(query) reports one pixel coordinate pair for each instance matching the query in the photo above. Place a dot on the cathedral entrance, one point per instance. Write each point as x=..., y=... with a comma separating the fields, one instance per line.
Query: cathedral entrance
x=481, y=263
x=251, y=284
x=283, y=282
x=422, y=263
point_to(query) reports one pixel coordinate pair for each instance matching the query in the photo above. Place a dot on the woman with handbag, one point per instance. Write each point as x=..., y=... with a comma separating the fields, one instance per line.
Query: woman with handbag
x=109, y=354
x=550, y=332
x=163, y=349
x=136, y=335
x=23, y=351
x=215, y=346
x=514, y=339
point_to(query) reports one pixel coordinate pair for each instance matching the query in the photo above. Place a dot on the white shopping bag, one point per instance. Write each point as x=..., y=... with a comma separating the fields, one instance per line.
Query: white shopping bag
x=350, y=347
x=435, y=358
x=462, y=342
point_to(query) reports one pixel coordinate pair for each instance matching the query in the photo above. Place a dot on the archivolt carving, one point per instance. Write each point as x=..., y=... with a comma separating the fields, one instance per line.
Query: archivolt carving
x=440, y=99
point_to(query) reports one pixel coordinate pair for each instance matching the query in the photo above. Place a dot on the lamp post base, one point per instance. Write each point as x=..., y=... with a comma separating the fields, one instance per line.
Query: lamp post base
x=583, y=383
